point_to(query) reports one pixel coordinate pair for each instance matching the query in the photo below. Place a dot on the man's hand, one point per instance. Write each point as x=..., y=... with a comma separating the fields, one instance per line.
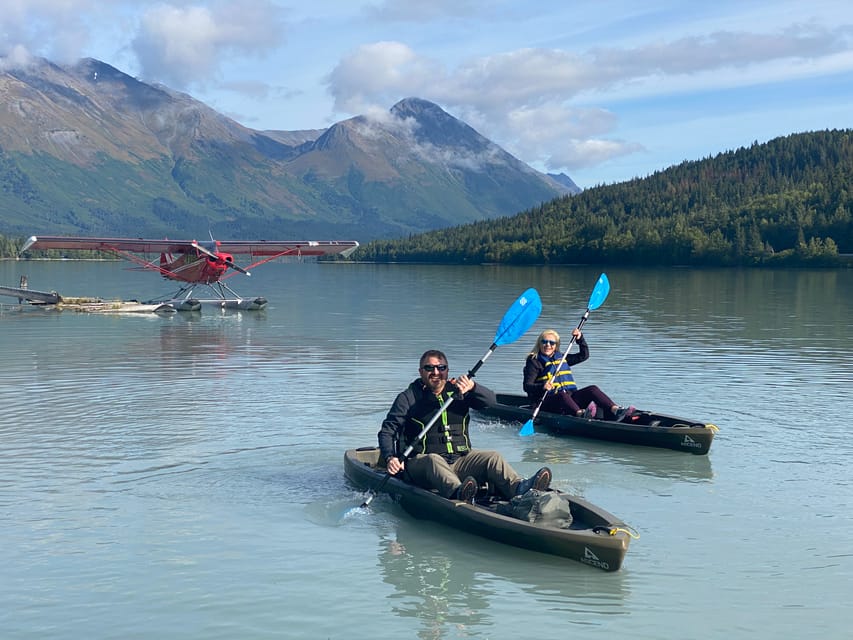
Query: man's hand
x=394, y=465
x=463, y=383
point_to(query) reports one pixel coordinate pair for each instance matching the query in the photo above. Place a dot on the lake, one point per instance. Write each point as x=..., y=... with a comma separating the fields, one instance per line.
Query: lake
x=181, y=476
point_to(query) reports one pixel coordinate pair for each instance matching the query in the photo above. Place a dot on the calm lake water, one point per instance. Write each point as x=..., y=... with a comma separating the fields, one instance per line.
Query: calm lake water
x=182, y=476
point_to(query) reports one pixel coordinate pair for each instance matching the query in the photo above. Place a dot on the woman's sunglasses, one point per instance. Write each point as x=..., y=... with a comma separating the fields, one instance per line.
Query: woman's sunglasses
x=546, y=342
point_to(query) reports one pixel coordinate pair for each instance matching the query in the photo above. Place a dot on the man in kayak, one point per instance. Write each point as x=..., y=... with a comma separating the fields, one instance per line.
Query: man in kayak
x=444, y=454
x=542, y=378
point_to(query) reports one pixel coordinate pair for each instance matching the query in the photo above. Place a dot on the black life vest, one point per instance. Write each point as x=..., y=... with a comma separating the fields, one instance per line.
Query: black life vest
x=449, y=434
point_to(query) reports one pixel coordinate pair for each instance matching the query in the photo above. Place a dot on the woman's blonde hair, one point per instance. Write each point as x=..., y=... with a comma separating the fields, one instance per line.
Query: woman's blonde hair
x=548, y=332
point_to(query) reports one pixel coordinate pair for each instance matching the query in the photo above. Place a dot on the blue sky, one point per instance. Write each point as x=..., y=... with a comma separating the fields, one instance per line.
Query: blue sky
x=604, y=91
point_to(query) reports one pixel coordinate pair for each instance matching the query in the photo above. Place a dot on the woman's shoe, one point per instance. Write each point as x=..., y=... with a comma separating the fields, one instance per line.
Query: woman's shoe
x=624, y=412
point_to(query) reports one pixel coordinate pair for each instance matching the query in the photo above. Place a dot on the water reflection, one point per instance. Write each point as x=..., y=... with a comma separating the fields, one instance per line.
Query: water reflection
x=649, y=461
x=431, y=588
x=451, y=582
x=753, y=305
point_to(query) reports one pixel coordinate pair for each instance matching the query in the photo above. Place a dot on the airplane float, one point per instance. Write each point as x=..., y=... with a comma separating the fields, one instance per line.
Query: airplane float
x=197, y=264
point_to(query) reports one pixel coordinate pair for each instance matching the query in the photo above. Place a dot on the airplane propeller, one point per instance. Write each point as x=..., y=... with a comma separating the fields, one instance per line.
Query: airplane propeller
x=228, y=263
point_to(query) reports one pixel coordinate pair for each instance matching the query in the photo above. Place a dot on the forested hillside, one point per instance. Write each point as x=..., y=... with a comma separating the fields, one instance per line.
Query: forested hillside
x=787, y=201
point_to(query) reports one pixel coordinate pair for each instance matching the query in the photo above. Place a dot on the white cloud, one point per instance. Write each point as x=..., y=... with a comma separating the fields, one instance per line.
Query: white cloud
x=186, y=46
x=55, y=29
x=535, y=102
x=565, y=137
x=378, y=75
x=720, y=50
x=16, y=58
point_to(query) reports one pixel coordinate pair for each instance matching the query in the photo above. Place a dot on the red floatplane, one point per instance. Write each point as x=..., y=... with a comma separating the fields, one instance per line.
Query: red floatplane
x=198, y=263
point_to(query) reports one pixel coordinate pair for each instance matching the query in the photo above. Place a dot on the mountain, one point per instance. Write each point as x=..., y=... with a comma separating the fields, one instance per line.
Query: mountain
x=566, y=181
x=87, y=149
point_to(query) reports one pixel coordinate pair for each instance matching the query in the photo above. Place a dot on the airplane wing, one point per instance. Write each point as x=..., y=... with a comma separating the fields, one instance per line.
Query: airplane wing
x=141, y=245
x=289, y=247
x=133, y=245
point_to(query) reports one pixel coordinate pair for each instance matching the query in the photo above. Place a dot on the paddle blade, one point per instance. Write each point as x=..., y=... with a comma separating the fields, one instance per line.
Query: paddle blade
x=519, y=317
x=599, y=293
x=527, y=429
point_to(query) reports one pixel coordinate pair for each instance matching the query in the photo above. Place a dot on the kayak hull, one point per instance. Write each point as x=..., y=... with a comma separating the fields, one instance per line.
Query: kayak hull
x=595, y=538
x=644, y=428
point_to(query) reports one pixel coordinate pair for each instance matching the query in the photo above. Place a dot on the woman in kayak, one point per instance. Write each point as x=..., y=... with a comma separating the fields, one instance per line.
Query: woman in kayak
x=561, y=394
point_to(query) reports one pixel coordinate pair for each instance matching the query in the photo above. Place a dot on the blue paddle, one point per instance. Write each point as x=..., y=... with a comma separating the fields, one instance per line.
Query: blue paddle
x=517, y=320
x=596, y=299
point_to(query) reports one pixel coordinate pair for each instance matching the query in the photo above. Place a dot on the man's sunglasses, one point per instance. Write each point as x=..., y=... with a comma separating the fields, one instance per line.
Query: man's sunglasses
x=432, y=367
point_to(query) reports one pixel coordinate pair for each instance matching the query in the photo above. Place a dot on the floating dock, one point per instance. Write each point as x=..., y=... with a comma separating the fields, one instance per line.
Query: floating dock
x=50, y=300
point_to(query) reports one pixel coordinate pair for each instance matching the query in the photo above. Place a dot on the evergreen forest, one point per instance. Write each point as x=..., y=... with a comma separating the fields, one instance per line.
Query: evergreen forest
x=785, y=202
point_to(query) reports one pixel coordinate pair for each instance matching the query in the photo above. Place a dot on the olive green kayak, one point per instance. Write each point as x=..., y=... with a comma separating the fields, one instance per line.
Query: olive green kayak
x=594, y=537
x=645, y=428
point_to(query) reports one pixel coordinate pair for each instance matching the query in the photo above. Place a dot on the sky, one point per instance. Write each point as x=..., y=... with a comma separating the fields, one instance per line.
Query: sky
x=602, y=90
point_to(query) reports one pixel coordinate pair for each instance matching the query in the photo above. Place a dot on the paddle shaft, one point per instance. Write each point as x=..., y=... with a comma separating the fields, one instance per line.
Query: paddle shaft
x=404, y=456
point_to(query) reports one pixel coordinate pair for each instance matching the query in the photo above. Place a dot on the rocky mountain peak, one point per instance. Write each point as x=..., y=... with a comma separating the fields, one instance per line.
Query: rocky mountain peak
x=438, y=127
x=87, y=148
